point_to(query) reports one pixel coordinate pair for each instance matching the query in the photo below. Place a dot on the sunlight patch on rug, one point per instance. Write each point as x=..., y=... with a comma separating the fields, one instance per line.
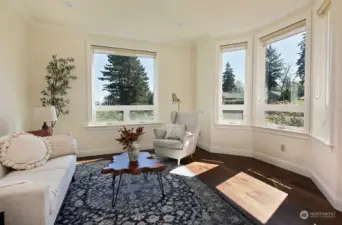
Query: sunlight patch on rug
x=193, y=169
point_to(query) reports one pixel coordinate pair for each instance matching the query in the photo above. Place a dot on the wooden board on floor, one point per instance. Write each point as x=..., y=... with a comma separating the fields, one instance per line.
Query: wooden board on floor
x=254, y=196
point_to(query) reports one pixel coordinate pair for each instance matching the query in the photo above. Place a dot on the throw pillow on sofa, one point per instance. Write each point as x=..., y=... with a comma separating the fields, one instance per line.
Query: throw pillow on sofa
x=175, y=131
x=61, y=145
x=23, y=151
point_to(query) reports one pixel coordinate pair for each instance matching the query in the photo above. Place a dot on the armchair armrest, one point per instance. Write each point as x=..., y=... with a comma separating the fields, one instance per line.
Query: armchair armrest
x=16, y=201
x=159, y=133
x=187, y=136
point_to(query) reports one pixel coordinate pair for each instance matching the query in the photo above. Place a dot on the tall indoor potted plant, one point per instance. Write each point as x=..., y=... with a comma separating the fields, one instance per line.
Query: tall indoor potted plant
x=128, y=139
x=58, y=77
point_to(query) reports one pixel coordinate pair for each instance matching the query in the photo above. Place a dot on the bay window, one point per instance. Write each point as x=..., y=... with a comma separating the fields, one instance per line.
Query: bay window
x=123, y=86
x=232, y=83
x=282, y=65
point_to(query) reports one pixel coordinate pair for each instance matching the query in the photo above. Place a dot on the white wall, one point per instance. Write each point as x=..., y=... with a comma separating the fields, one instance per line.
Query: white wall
x=176, y=73
x=13, y=70
x=205, y=63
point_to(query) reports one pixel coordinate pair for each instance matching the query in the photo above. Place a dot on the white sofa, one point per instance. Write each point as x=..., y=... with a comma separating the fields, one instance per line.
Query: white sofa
x=34, y=203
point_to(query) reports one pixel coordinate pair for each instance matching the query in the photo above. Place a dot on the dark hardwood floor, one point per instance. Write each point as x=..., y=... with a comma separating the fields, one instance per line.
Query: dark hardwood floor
x=302, y=192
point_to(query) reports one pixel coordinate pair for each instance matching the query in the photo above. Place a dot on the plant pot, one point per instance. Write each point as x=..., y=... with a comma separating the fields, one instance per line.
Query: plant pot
x=133, y=152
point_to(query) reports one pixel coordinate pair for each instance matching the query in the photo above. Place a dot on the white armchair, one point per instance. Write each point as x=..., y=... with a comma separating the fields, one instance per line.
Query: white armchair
x=178, y=149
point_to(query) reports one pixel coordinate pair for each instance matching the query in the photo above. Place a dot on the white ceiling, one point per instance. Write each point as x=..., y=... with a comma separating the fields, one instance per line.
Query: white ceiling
x=160, y=20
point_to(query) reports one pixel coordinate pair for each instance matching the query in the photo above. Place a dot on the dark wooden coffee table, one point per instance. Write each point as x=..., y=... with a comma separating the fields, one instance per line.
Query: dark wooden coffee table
x=145, y=164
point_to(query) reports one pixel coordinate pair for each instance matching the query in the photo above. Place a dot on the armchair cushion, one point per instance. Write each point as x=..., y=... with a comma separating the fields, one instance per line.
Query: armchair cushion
x=159, y=133
x=174, y=131
x=168, y=143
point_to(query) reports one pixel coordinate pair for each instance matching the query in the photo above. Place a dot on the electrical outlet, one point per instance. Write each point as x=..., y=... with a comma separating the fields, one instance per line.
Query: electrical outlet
x=282, y=147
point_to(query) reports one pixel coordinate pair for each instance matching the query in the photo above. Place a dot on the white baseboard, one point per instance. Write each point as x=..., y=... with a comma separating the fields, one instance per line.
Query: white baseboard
x=282, y=163
x=335, y=201
x=231, y=151
x=203, y=146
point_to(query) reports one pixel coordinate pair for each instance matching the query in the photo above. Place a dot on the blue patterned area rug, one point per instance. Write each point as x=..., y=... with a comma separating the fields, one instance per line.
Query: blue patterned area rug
x=187, y=200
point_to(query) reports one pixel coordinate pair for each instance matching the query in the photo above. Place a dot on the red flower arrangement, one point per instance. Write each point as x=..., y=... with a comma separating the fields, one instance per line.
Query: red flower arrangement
x=128, y=136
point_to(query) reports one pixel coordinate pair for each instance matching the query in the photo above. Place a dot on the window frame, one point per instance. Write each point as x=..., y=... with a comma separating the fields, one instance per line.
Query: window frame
x=324, y=64
x=92, y=108
x=246, y=108
x=329, y=90
x=259, y=97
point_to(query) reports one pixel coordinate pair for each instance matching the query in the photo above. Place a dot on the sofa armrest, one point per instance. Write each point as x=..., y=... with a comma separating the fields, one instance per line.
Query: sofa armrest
x=25, y=204
x=74, y=145
x=159, y=133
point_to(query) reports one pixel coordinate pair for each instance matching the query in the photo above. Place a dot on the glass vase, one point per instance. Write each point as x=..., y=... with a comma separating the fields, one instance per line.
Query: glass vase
x=133, y=152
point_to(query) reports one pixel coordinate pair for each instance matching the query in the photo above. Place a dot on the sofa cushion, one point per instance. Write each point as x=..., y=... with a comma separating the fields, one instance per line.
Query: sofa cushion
x=58, y=163
x=51, y=177
x=23, y=151
x=63, y=162
x=168, y=143
x=61, y=145
x=54, y=178
x=56, y=173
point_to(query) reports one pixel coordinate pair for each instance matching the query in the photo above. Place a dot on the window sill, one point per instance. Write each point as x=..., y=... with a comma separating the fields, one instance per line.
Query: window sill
x=92, y=126
x=265, y=129
x=283, y=132
x=323, y=142
x=237, y=126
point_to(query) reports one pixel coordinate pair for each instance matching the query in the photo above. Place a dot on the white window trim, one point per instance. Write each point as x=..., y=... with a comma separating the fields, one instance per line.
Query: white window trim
x=260, y=107
x=324, y=67
x=91, y=112
x=247, y=106
x=329, y=89
x=126, y=112
x=324, y=7
x=284, y=33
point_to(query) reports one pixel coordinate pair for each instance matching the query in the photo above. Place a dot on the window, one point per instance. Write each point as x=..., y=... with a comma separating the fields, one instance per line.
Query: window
x=232, y=81
x=284, y=77
x=123, y=87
